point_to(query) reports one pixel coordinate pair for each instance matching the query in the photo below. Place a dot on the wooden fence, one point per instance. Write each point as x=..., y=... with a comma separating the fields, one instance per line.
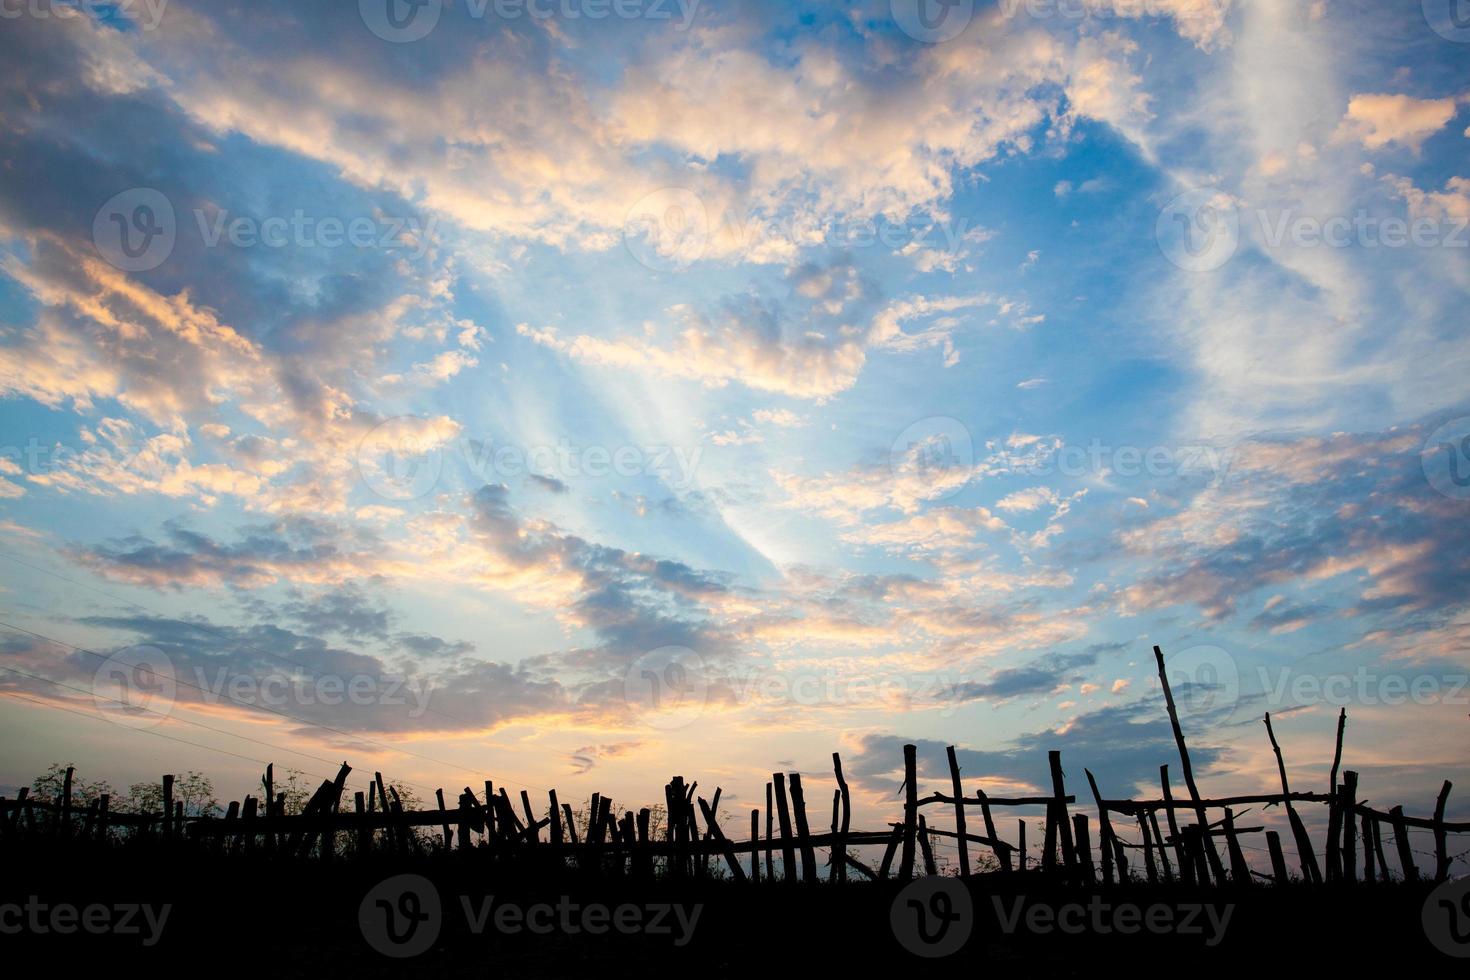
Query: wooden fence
x=487, y=826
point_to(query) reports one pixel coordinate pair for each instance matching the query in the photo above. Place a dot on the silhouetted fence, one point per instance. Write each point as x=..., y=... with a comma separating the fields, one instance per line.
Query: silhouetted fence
x=487, y=826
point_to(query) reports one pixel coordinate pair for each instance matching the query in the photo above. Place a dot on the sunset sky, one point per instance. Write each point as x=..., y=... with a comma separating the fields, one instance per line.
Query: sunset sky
x=846, y=375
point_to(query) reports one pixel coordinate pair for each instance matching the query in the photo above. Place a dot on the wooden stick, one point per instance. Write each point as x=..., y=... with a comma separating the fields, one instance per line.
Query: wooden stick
x=1002, y=854
x=959, y=812
x=846, y=823
x=926, y=849
x=888, y=852
x=1240, y=871
x=1148, y=852
x=770, y=817
x=1441, y=854
x=1307, y=857
x=803, y=832
x=1401, y=838
x=1084, y=847
x=910, y=812
x=1153, y=819
x=1216, y=867
x=1278, y=860
x=1348, y=792
x=1064, y=823
x=755, y=857
x=714, y=828
x=1105, y=835
x=1186, y=864
x=783, y=814
x=1334, y=811
x=1383, y=874
x=1369, y=871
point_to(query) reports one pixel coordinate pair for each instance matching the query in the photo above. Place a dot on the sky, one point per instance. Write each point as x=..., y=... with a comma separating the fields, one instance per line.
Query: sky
x=578, y=392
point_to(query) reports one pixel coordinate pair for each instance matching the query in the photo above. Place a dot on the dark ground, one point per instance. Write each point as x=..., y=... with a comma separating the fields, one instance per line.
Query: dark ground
x=233, y=917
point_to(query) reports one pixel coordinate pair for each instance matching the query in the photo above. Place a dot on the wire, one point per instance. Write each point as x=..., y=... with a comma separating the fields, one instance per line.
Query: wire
x=187, y=721
x=209, y=631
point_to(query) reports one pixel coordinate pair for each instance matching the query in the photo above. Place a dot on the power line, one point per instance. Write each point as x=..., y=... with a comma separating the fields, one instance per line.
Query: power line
x=209, y=631
x=187, y=721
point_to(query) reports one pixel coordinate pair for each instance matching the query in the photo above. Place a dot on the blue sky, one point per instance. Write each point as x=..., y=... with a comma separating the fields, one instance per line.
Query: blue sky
x=851, y=384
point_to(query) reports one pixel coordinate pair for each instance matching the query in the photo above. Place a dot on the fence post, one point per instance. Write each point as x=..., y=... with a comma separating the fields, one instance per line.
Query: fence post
x=1348, y=804
x=1401, y=838
x=910, y=812
x=1278, y=860
x=783, y=813
x=803, y=833
x=1216, y=867
x=959, y=813
x=1441, y=854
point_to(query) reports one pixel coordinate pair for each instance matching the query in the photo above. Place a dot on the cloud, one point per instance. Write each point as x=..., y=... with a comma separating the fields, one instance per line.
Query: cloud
x=1377, y=120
